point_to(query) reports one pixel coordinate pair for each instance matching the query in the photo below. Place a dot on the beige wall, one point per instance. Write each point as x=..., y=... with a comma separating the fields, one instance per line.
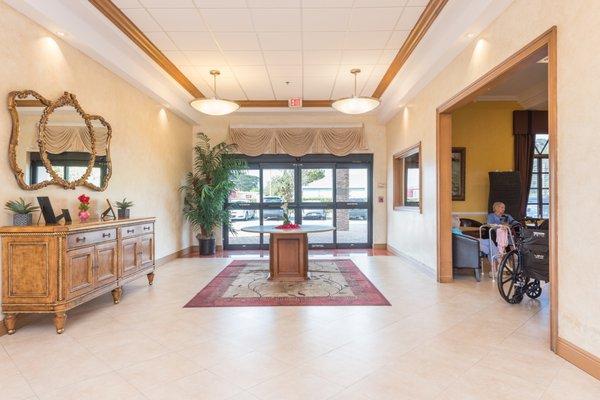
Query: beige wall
x=150, y=146
x=485, y=130
x=578, y=147
x=217, y=127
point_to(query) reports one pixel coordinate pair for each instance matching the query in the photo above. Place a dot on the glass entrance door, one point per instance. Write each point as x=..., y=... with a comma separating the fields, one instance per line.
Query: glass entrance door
x=319, y=190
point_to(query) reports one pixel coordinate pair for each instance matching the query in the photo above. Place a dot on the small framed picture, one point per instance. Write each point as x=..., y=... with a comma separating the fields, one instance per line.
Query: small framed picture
x=109, y=213
x=459, y=155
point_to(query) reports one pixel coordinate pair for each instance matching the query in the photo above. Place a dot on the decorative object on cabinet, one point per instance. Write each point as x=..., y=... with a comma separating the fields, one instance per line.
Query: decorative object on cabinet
x=47, y=212
x=109, y=213
x=53, y=268
x=207, y=188
x=57, y=143
x=22, y=212
x=84, y=206
x=123, y=208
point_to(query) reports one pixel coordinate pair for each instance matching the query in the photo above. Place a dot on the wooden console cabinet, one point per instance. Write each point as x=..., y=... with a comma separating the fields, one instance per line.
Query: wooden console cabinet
x=53, y=268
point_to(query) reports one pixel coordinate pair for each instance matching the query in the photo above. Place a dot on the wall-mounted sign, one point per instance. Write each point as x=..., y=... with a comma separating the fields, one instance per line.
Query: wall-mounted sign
x=295, y=102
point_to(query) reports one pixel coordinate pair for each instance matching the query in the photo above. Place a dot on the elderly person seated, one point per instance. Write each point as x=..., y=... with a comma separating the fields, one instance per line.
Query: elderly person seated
x=498, y=217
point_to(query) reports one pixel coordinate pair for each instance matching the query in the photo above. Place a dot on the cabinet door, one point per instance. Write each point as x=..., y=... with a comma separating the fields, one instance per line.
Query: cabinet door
x=147, y=250
x=130, y=255
x=106, y=263
x=80, y=271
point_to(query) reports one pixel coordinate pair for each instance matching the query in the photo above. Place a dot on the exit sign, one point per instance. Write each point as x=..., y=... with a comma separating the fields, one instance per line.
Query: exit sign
x=295, y=102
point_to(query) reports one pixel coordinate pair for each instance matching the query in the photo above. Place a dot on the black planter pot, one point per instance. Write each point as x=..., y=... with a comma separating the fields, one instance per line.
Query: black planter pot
x=123, y=214
x=207, y=246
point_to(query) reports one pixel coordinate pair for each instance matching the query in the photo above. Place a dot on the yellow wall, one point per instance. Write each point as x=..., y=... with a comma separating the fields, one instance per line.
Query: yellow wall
x=577, y=144
x=485, y=130
x=150, y=146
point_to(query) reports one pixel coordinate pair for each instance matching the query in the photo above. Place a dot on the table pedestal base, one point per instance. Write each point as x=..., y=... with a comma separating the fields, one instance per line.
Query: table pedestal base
x=288, y=256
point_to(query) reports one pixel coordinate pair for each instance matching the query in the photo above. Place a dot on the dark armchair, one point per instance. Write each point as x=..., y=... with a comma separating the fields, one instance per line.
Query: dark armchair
x=465, y=254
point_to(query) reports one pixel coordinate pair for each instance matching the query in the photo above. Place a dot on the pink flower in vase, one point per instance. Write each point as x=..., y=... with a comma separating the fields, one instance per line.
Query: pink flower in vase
x=84, y=206
x=84, y=215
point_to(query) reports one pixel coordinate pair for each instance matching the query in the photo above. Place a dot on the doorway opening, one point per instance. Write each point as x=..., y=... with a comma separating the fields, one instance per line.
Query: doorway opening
x=542, y=198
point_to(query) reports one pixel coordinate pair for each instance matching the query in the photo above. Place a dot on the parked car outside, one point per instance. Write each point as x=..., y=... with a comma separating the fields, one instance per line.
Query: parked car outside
x=272, y=213
x=358, y=214
x=242, y=215
x=314, y=214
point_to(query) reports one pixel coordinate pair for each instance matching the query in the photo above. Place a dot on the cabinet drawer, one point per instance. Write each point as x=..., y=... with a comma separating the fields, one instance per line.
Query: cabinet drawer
x=135, y=230
x=87, y=238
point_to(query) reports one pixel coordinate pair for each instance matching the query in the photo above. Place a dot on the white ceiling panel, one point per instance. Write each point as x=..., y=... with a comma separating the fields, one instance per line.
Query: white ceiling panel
x=220, y=3
x=283, y=57
x=375, y=19
x=321, y=57
x=409, y=17
x=224, y=20
x=205, y=58
x=167, y=3
x=178, y=19
x=361, y=57
x=367, y=40
x=280, y=40
x=237, y=41
x=244, y=57
x=261, y=44
x=325, y=19
x=323, y=40
x=230, y=89
x=277, y=20
x=193, y=40
x=161, y=40
x=142, y=19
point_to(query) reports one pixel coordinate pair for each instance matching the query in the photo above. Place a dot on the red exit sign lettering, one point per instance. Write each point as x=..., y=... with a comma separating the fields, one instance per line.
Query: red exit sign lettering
x=295, y=102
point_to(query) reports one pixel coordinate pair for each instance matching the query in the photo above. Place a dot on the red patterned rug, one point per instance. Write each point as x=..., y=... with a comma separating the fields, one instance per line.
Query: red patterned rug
x=332, y=283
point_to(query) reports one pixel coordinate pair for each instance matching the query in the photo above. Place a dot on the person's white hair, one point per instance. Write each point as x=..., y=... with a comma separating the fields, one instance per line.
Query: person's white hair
x=497, y=204
x=455, y=222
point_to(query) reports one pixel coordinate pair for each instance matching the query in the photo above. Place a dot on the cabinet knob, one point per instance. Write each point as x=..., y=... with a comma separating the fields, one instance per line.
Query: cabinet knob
x=79, y=239
x=105, y=235
x=146, y=228
x=130, y=230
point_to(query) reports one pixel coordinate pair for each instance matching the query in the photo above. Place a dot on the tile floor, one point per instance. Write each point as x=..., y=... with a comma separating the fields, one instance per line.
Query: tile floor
x=451, y=341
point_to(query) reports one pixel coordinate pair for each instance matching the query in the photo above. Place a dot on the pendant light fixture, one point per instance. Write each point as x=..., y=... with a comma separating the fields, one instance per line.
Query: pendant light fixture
x=214, y=106
x=355, y=104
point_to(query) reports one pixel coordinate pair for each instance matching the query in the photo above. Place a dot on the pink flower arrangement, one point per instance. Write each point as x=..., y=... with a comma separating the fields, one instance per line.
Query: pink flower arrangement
x=84, y=206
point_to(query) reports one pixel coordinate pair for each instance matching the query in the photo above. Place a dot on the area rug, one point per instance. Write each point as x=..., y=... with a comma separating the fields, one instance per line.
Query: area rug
x=332, y=283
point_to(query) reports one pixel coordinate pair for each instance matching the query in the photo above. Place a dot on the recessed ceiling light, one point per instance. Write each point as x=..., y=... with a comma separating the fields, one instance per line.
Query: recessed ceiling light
x=470, y=35
x=60, y=33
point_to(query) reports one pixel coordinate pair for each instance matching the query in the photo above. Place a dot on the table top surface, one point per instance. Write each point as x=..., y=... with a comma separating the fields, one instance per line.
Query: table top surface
x=302, y=229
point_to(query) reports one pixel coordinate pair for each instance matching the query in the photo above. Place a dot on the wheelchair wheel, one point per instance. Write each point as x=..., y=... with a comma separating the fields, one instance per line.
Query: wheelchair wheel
x=534, y=290
x=511, y=280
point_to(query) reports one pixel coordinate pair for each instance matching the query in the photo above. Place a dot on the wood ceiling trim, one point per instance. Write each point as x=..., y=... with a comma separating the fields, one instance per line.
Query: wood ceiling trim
x=117, y=17
x=433, y=9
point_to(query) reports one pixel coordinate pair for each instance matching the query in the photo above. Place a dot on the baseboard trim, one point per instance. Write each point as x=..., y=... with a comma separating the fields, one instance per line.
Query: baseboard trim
x=173, y=256
x=580, y=358
x=380, y=246
x=416, y=263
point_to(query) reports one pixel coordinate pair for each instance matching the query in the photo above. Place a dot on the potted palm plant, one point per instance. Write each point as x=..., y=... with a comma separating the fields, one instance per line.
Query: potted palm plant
x=21, y=211
x=207, y=188
x=123, y=207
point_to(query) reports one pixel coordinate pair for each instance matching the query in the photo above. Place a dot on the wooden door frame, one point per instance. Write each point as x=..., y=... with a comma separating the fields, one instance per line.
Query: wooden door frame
x=443, y=158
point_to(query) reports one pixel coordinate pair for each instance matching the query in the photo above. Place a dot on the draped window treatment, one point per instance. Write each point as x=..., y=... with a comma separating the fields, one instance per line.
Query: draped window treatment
x=60, y=139
x=526, y=124
x=298, y=141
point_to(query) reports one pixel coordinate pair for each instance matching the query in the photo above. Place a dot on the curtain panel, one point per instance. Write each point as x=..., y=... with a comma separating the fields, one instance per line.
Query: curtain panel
x=298, y=141
x=526, y=124
x=60, y=139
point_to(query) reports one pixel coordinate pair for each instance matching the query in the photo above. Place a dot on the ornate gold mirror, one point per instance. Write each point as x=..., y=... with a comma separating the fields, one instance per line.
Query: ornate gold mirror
x=57, y=142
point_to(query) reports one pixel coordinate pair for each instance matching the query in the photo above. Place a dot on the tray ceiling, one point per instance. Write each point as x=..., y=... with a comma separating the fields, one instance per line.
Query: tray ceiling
x=277, y=49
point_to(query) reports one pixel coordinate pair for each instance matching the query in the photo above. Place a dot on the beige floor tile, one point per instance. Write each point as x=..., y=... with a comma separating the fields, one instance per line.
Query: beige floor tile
x=157, y=371
x=103, y=387
x=296, y=385
x=250, y=370
x=573, y=384
x=214, y=351
x=202, y=385
x=338, y=368
x=384, y=384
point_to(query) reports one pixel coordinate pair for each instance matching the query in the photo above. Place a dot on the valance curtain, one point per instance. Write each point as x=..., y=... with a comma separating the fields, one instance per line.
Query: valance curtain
x=60, y=139
x=526, y=124
x=298, y=141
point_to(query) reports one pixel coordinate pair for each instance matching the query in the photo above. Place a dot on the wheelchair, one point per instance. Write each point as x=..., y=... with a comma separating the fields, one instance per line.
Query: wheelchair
x=525, y=266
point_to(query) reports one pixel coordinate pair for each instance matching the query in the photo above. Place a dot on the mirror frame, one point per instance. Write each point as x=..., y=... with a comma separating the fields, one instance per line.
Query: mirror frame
x=67, y=98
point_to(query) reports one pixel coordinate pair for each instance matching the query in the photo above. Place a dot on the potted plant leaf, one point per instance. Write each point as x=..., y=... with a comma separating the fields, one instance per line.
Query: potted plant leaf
x=22, y=211
x=207, y=188
x=123, y=207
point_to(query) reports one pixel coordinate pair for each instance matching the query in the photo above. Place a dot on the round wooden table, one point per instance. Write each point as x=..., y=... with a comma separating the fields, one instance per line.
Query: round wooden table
x=288, y=250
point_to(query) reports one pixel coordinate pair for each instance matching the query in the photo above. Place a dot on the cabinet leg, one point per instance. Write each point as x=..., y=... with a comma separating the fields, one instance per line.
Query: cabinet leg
x=150, y=278
x=116, y=294
x=59, y=322
x=10, y=321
